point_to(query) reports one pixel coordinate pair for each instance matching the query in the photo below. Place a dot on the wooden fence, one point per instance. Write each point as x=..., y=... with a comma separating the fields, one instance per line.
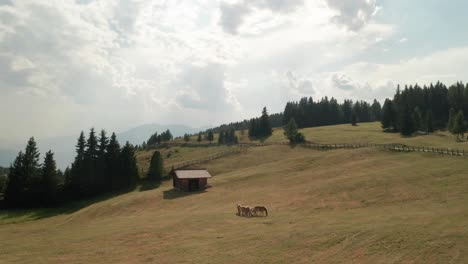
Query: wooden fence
x=317, y=146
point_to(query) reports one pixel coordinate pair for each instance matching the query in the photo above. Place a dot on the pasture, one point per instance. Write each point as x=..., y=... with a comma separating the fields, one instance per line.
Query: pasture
x=343, y=206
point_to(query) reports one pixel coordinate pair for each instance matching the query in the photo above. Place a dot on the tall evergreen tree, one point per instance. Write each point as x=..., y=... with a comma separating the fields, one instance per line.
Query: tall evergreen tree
x=265, y=125
x=113, y=162
x=221, y=138
x=156, y=169
x=49, y=181
x=210, y=136
x=31, y=170
x=101, y=173
x=199, y=139
x=16, y=183
x=376, y=111
x=128, y=167
x=458, y=126
x=389, y=115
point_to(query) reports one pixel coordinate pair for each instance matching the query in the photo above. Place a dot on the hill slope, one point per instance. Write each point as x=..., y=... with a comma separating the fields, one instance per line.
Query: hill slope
x=342, y=206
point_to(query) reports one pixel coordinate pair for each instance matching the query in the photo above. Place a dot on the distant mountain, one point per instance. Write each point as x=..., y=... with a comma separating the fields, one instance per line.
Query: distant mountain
x=142, y=133
x=64, y=147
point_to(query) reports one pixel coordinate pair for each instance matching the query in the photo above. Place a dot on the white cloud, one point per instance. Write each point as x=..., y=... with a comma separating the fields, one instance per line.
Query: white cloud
x=353, y=14
x=403, y=40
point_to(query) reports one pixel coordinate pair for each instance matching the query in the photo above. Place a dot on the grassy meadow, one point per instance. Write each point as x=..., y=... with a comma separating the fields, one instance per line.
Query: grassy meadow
x=343, y=206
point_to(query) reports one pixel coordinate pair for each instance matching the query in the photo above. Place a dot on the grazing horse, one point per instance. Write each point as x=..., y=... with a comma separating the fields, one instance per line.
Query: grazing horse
x=243, y=211
x=259, y=209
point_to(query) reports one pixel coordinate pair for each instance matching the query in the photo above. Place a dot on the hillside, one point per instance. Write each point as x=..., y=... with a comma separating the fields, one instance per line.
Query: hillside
x=363, y=133
x=364, y=205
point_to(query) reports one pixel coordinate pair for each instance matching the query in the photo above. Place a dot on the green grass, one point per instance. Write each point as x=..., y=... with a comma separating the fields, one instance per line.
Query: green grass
x=344, y=206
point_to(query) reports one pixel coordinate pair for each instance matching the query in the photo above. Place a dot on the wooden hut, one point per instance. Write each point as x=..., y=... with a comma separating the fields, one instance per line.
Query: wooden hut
x=190, y=180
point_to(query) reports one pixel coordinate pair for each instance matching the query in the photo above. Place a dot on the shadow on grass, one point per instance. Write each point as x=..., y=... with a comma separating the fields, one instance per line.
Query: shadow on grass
x=175, y=194
x=149, y=185
x=11, y=216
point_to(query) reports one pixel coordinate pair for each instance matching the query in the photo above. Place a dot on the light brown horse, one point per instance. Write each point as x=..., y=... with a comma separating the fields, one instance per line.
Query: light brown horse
x=259, y=209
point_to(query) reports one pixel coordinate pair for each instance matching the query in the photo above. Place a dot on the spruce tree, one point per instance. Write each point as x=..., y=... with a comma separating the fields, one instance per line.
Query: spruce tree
x=221, y=137
x=156, y=169
x=265, y=125
x=49, y=181
x=90, y=183
x=388, y=115
x=31, y=170
x=376, y=111
x=199, y=139
x=15, y=186
x=458, y=125
x=128, y=167
x=210, y=136
x=101, y=173
x=113, y=162
x=290, y=130
x=186, y=138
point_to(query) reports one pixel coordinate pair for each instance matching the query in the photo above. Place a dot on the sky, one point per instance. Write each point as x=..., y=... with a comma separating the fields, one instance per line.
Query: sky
x=66, y=66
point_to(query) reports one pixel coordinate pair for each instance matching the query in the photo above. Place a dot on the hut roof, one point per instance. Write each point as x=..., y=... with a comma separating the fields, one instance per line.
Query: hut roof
x=192, y=174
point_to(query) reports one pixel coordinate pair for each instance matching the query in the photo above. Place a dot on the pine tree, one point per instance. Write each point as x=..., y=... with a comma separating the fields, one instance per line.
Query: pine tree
x=199, y=139
x=221, y=137
x=458, y=125
x=49, y=183
x=376, y=111
x=407, y=126
x=77, y=171
x=113, y=162
x=15, y=186
x=156, y=169
x=90, y=183
x=31, y=170
x=101, y=175
x=128, y=167
x=186, y=138
x=265, y=125
x=291, y=132
x=388, y=115
x=210, y=136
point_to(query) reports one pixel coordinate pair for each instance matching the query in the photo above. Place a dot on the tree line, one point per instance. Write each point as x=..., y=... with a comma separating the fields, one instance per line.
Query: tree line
x=101, y=165
x=309, y=113
x=427, y=108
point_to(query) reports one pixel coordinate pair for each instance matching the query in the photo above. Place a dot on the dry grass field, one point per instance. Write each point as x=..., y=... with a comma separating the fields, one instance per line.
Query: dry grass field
x=344, y=206
x=363, y=133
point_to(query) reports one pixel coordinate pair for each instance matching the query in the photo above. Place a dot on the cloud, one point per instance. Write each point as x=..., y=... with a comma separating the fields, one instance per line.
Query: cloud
x=403, y=40
x=203, y=87
x=233, y=15
x=353, y=14
x=343, y=82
